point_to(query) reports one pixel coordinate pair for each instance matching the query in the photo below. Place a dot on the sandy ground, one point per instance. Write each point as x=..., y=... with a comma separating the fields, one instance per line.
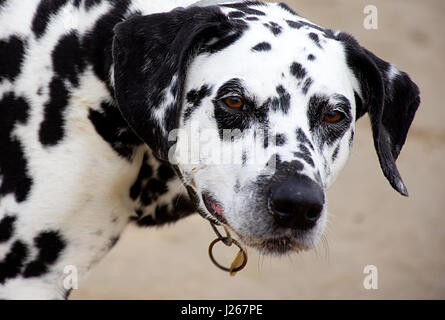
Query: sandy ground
x=370, y=224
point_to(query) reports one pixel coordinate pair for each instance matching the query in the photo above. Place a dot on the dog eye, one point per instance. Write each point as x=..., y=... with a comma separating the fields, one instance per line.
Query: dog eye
x=234, y=102
x=333, y=116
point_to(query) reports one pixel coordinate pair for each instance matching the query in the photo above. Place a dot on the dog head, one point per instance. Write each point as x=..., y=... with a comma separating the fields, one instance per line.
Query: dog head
x=257, y=107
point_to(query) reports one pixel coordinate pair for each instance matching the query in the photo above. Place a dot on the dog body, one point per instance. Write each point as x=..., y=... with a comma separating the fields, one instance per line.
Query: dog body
x=91, y=90
x=65, y=176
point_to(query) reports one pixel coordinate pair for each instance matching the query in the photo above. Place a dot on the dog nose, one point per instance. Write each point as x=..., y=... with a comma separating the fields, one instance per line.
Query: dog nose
x=296, y=202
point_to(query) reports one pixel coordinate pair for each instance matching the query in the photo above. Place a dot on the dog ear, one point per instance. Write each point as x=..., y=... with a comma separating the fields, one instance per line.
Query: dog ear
x=391, y=100
x=150, y=56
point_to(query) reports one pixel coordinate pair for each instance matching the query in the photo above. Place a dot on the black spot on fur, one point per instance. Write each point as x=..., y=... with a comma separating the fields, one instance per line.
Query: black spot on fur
x=12, y=264
x=305, y=155
x=110, y=125
x=283, y=100
x=161, y=211
x=146, y=198
x=226, y=37
x=43, y=15
x=145, y=172
x=314, y=37
x=237, y=186
x=165, y=172
x=334, y=155
x=68, y=59
x=6, y=228
x=265, y=138
x=274, y=103
x=50, y=244
x=280, y=139
x=91, y=3
x=156, y=187
x=306, y=85
x=170, y=116
x=180, y=207
x=146, y=221
x=262, y=46
x=351, y=139
x=287, y=8
x=12, y=51
x=52, y=127
x=98, y=42
x=236, y=14
x=136, y=188
x=294, y=24
x=275, y=28
x=244, y=158
x=311, y=57
x=297, y=70
x=303, y=139
x=252, y=18
x=194, y=97
x=13, y=164
x=328, y=33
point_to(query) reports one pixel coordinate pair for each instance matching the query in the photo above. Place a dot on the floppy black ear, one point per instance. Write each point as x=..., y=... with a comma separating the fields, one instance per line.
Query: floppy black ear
x=391, y=100
x=150, y=56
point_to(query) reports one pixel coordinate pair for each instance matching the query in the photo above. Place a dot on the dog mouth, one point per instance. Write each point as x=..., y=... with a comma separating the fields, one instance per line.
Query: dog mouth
x=275, y=246
x=214, y=208
x=270, y=246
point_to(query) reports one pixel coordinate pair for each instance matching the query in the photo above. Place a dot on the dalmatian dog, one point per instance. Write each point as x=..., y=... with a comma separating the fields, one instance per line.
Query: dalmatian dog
x=122, y=111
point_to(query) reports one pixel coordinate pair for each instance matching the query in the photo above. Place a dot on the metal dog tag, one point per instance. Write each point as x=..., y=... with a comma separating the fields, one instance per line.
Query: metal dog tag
x=237, y=263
